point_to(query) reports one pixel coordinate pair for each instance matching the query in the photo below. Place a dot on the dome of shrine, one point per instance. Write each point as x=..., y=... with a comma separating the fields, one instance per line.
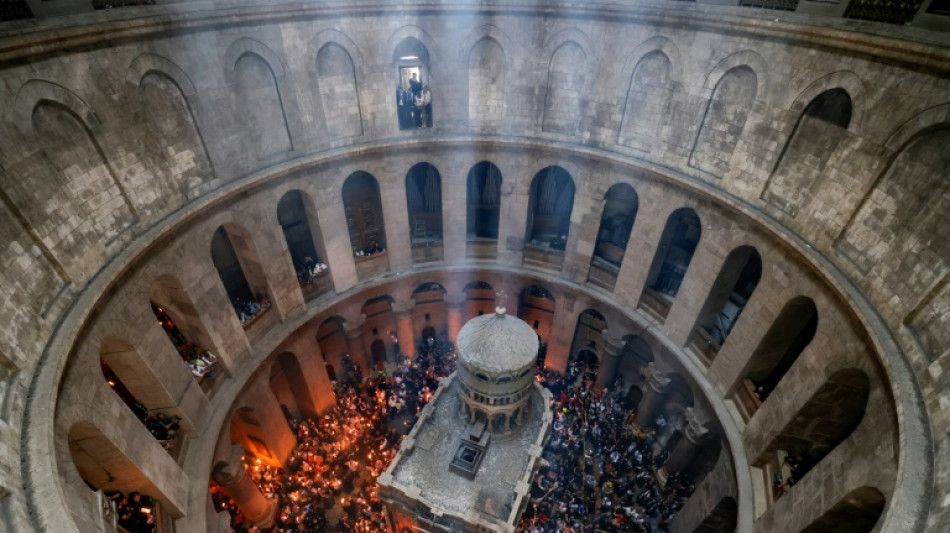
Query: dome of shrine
x=497, y=343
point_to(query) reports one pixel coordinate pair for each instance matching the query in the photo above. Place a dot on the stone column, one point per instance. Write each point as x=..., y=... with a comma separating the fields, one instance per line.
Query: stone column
x=562, y=333
x=357, y=349
x=407, y=339
x=455, y=304
x=654, y=395
x=231, y=475
x=689, y=446
x=610, y=359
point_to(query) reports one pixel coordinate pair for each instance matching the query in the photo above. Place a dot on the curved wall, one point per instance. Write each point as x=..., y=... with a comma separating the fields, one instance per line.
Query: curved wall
x=100, y=197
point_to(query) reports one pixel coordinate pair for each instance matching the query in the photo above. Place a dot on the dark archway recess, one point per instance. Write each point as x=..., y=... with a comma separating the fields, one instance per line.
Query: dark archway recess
x=616, y=223
x=239, y=266
x=304, y=243
x=483, y=199
x=787, y=337
x=424, y=203
x=857, y=512
x=828, y=418
x=550, y=203
x=289, y=386
x=588, y=342
x=363, y=208
x=723, y=518
x=728, y=296
x=673, y=255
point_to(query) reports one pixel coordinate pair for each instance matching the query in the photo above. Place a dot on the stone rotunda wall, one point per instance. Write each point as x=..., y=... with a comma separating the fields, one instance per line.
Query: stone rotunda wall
x=130, y=137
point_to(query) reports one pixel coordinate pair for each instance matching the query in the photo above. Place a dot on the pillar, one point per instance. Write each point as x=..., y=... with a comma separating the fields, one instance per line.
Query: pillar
x=688, y=447
x=610, y=359
x=356, y=347
x=455, y=304
x=562, y=333
x=233, y=478
x=654, y=395
x=407, y=339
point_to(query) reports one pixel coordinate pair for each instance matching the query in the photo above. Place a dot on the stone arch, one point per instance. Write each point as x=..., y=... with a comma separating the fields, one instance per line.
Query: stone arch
x=565, y=88
x=724, y=119
x=337, y=65
x=166, y=92
x=289, y=386
x=480, y=33
x=588, y=337
x=730, y=292
x=487, y=64
x=657, y=43
x=105, y=467
x=34, y=92
x=646, y=101
x=363, y=208
x=926, y=119
x=550, y=204
x=239, y=266
x=424, y=205
x=409, y=31
x=483, y=201
x=857, y=512
x=621, y=204
x=743, y=58
x=845, y=80
x=789, y=335
x=674, y=253
x=821, y=125
x=907, y=206
x=829, y=417
x=297, y=217
x=148, y=62
x=244, y=46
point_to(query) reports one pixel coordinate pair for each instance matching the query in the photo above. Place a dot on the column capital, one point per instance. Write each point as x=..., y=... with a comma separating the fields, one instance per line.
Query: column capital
x=695, y=429
x=355, y=328
x=613, y=343
x=658, y=380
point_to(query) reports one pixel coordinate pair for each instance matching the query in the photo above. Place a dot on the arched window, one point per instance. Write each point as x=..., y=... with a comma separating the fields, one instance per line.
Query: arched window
x=424, y=202
x=411, y=61
x=240, y=270
x=484, y=209
x=725, y=118
x=728, y=296
x=820, y=128
x=363, y=208
x=790, y=333
x=673, y=255
x=550, y=203
x=616, y=223
x=825, y=421
x=305, y=245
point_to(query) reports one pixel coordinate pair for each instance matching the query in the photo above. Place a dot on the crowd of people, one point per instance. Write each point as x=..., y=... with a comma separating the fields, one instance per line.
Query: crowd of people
x=248, y=310
x=200, y=361
x=135, y=513
x=372, y=249
x=329, y=482
x=163, y=427
x=600, y=473
x=601, y=466
x=414, y=104
x=310, y=270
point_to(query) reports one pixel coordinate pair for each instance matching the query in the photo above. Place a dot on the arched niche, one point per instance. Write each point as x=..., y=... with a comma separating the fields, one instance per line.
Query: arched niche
x=588, y=337
x=788, y=336
x=616, y=223
x=819, y=129
x=261, y=109
x=536, y=307
x=363, y=208
x=829, y=417
x=730, y=292
x=724, y=120
x=567, y=73
x=338, y=91
x=648, y=98
x=674, y=253
x=301, y=228
x=171, y=123
x=201, y=362
x=487, y=70
x=290, y=387
x=424, y=204
x=239, y=266
x=483, y=210
x=550, y=203
x=857, y=512
x=411, y=64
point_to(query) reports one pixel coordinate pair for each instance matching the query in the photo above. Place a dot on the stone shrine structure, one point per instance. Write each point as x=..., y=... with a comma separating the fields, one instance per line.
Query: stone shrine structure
x=468, y=462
